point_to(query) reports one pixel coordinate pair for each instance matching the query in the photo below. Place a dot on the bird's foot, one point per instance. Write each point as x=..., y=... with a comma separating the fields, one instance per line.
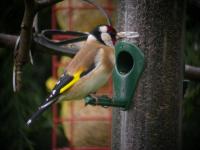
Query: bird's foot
x=91, y=99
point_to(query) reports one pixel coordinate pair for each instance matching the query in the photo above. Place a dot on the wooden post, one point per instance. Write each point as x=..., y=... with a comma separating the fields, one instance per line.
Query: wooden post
x=154, y=119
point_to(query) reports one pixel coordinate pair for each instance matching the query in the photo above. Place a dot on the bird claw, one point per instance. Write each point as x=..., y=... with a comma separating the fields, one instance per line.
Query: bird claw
x=91, y=99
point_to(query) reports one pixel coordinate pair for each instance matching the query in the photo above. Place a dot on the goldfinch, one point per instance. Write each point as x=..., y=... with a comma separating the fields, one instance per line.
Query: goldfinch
x=89, y=70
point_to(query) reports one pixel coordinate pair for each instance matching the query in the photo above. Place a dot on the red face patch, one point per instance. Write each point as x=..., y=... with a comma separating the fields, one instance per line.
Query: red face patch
x=111, y=29
x=112, y=33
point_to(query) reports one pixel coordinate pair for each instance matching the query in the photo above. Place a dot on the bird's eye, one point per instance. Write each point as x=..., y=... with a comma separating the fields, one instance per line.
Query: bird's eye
x=113, y=35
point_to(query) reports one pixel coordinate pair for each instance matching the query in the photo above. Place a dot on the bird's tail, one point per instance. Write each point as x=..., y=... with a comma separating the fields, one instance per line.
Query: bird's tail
x=40, y=110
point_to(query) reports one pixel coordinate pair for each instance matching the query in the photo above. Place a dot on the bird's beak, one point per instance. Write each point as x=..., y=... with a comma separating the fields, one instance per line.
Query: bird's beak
x=127, y=34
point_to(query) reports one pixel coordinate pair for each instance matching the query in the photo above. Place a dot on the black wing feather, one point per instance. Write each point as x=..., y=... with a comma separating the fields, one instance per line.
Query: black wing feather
x=88, y=71
x=65, y=79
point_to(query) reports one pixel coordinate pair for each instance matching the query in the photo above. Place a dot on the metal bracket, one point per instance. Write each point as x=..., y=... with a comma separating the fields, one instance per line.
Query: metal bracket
x=43, y=42
x=127, y=72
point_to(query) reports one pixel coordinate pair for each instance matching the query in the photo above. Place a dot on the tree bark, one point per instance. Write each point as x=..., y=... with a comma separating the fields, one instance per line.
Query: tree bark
x=154, y=120
x=21, y=54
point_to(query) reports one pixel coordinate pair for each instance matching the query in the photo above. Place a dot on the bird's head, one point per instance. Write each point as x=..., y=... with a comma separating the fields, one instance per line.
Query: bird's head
x=105, y=34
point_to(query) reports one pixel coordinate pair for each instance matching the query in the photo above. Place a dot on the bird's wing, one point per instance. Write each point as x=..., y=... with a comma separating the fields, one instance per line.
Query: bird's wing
x=85, y=58
x=65, y=82
x=80, y=65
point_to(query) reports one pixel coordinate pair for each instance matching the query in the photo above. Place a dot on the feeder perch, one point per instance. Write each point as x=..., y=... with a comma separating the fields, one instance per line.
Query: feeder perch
x=128, y=69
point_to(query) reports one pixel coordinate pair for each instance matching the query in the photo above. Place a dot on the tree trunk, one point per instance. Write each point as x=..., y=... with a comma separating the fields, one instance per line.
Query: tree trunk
x=154, y=120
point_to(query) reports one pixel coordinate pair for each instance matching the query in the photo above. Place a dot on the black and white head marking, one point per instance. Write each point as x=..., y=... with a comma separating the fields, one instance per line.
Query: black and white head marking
x=104, y=34
x=103, y=29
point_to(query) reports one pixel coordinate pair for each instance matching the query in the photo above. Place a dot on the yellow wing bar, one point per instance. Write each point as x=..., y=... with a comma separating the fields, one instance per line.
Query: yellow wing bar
x=75, y=79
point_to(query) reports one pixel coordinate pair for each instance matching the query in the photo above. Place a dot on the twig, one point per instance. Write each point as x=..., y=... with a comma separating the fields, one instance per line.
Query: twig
x=7, y=41
x=192, y=73
x=22, y=54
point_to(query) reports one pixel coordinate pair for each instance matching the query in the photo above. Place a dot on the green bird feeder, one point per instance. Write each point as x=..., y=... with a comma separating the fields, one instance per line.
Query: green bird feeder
x=128, y=69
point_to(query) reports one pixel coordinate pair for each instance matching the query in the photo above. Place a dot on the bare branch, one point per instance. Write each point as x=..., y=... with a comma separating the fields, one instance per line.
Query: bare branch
x=7, y=41
x=192, y=73
x=21, y=54
x=40, y=45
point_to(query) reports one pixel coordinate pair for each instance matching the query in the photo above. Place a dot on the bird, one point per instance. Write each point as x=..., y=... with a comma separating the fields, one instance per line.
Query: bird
x=89, y=69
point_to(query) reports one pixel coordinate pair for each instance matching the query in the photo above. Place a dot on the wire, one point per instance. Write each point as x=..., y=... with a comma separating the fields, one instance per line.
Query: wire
x=101, y=10
x=46, y=33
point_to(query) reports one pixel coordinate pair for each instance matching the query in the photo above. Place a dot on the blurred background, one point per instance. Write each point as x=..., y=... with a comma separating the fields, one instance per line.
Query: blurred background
x=71, y=124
